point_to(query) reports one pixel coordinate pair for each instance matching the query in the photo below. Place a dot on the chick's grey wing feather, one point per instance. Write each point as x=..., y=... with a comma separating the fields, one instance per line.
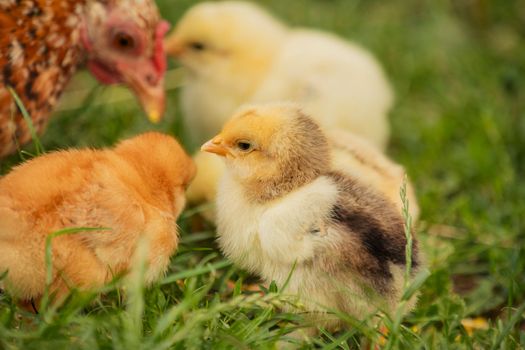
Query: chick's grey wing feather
x=373, y=230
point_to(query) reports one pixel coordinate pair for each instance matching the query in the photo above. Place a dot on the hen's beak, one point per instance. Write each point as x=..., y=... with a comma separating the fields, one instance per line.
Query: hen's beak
x=154, y=102
x=148, y=85
x=216, y=146
x=150, y=94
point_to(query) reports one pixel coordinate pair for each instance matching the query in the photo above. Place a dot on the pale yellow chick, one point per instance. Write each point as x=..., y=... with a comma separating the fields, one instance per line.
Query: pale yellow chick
x=282, y=205
x=135, y=190
x=234, y=52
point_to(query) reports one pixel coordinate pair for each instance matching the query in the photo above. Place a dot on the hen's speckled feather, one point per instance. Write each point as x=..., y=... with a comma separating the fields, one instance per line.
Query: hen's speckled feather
x=39, y=52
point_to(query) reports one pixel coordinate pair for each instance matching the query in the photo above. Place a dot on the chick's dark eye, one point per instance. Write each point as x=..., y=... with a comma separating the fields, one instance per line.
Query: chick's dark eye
x=123, y=41
x=244, y=146
x=197, y=46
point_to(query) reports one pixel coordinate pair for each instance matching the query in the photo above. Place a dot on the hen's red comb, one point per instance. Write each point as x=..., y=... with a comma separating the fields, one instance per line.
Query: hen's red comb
x=159, y=56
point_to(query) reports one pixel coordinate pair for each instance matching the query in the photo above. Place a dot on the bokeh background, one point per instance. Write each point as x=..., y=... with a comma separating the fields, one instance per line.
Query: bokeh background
x=458, y=70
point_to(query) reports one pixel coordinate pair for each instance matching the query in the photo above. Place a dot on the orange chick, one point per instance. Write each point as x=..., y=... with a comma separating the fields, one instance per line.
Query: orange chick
x=135, y=191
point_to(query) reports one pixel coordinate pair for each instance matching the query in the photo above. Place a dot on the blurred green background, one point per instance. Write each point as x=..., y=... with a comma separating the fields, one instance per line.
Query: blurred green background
x=458, y=70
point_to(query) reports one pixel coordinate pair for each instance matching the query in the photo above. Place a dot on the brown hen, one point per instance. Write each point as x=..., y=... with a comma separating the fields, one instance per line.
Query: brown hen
x=43, y=42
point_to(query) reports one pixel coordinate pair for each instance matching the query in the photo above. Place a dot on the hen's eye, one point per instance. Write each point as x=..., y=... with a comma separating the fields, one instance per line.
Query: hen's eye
x=244, y=146
x=197, y=46
x=123, y=41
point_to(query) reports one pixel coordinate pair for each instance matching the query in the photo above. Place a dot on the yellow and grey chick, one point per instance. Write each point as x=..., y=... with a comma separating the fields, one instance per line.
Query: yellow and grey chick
x=282, y=204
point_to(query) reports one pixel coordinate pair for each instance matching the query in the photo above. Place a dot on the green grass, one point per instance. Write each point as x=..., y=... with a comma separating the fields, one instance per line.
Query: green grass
x=458, y=68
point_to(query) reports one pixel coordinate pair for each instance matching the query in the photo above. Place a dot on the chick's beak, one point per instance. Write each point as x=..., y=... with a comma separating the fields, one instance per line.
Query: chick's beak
x=173, y=46
x=216, y=146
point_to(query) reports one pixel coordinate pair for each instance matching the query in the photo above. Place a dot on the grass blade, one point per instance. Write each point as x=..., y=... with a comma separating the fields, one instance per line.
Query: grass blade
x=48, y=256
x=196, y=272
x=36, y=140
